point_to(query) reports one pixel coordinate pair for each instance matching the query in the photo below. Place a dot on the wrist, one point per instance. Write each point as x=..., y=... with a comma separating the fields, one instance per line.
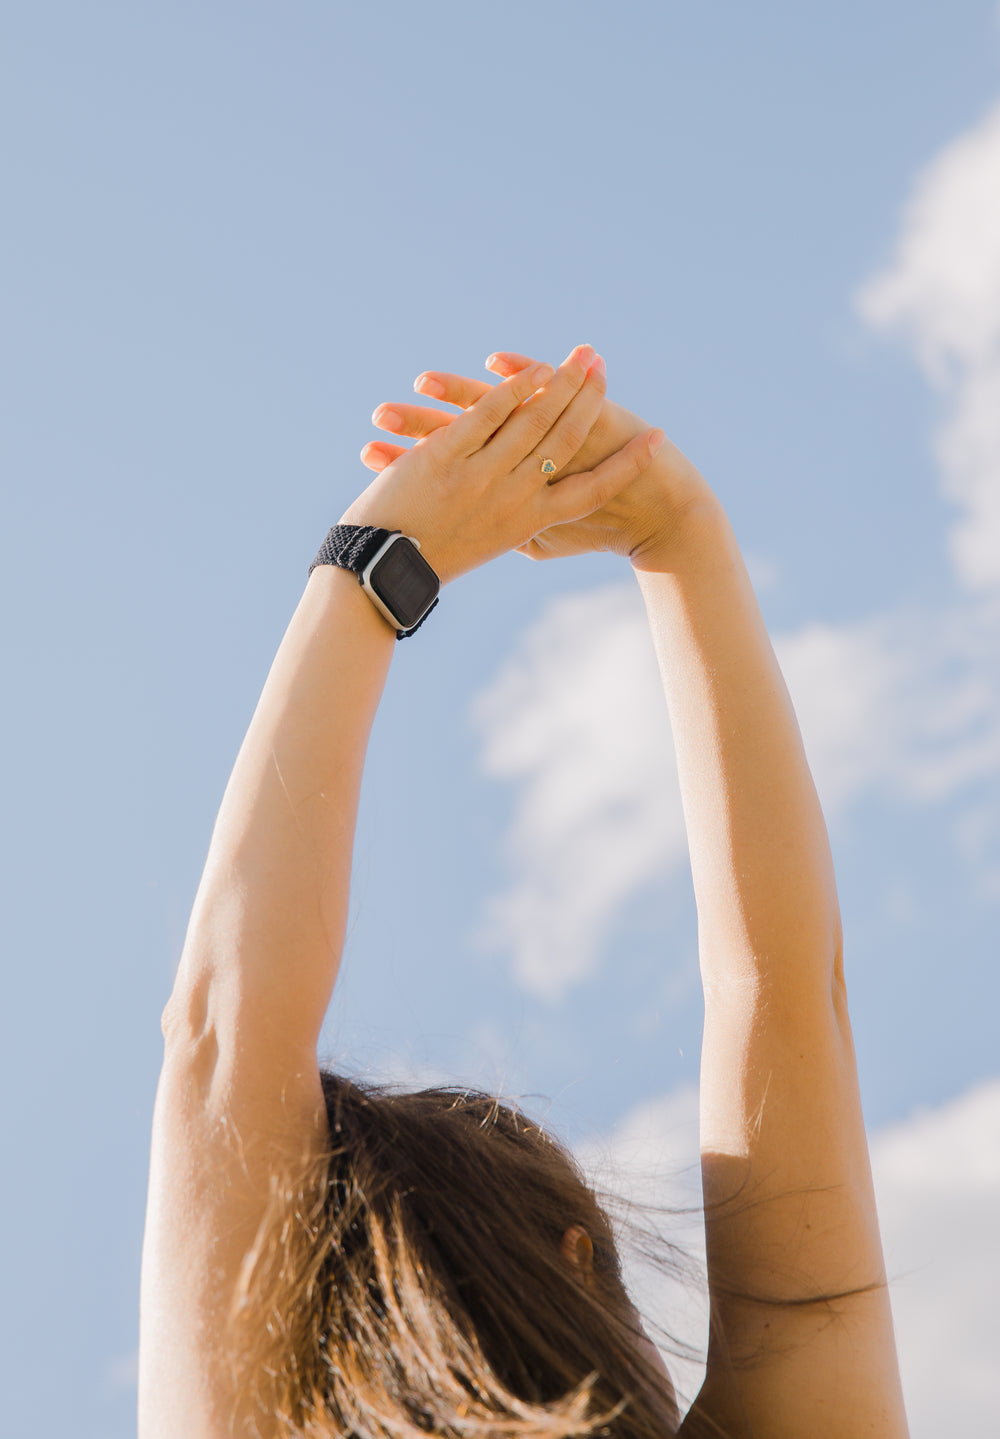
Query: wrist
x=680, y=522
x=331, y=588
x=393, y=573
x=391, y=515
x=670, y=501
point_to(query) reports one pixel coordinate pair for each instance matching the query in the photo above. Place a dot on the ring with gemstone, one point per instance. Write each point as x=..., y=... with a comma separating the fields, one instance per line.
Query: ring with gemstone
x=549, y=467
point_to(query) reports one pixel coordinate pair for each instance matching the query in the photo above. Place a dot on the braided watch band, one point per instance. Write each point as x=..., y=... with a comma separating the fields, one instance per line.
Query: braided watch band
x=353, y=547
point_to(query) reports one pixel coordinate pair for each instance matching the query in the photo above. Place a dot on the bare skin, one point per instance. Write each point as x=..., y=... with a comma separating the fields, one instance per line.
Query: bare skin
x=596, y=444
x=239, y=1092
x=790, y=1210
x=802, y=1340
x=630, y=525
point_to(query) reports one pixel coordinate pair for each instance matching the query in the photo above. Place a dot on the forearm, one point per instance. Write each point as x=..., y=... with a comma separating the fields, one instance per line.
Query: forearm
x=780, y=1112
x=760, y=858
x=789, y=1207
x=264, y=940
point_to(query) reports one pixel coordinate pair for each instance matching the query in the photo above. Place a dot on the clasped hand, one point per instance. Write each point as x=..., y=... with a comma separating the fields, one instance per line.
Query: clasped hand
x=474, y=488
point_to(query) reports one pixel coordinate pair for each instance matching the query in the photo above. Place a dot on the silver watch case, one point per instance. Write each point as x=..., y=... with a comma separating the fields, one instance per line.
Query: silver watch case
x=376, y=599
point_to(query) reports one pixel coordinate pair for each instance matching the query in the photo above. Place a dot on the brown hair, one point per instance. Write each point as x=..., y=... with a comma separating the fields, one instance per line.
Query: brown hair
x=412, y=1280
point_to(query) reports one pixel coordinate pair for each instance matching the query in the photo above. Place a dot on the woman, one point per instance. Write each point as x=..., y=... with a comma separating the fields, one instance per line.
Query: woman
x=325, y=1261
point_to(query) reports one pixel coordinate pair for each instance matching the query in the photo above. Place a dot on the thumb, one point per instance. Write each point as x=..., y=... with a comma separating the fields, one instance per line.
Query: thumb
x=578, y=495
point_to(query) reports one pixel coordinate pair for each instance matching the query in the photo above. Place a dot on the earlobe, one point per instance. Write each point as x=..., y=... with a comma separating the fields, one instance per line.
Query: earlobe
x=577, y=1249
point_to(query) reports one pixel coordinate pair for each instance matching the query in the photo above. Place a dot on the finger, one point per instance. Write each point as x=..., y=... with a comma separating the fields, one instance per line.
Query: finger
x=453, y=389
x=575, y=423
x=377, y=456
x=579, y=495
x=507, y=362
x=415, y=421
x=471, y=431
x=531, y=426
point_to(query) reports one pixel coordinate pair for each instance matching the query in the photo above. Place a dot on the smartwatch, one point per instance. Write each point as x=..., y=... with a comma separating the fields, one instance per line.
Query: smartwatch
x=390, y=569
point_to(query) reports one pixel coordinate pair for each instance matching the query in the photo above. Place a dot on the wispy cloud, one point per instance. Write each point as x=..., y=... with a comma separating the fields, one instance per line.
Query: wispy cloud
x=904, y=703
x=650, y=1162
x=577, y=722
x=122, y=1372
x=937, y=1178
x=941, y=293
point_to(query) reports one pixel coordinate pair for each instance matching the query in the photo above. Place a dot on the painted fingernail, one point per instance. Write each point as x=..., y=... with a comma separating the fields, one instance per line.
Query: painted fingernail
x=388, y=420
x=425, y=386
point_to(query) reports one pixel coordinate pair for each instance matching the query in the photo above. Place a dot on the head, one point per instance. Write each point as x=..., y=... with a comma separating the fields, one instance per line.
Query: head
x=450, y=1271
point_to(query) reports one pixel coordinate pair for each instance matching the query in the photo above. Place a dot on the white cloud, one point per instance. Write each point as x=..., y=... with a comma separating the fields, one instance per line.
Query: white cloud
x=906, y=704
x=937, y=1178
x=763, y=572
x=942, y=294
x=652, y=1159
x=968, y=449
x=576, y=719
x=844, y=682
x=122, y=1372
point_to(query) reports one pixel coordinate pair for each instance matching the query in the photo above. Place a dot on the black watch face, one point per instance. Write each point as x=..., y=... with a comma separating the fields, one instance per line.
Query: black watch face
x=405, y=582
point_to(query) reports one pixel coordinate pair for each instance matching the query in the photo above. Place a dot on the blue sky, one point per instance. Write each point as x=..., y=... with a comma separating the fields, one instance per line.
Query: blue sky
x=230, y=232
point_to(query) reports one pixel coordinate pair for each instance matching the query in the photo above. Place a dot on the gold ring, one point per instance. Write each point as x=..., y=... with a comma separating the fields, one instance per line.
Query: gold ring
x=549, y=467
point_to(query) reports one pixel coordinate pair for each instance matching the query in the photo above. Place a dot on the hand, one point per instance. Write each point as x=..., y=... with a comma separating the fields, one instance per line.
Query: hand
x=638, y=522
x=474, y=488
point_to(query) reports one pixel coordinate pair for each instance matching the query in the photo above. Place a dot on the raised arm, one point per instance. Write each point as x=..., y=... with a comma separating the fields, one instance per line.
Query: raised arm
x=790, y=1214
x=789, y=1208
x=239, y=1092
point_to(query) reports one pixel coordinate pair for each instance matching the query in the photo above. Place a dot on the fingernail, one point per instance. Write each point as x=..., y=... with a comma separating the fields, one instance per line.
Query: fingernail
x=540, y=374
x=598, y=367
x=387, y=419
x=656, y=442
x=374, y=459
x=425, y=386
x=585, y=355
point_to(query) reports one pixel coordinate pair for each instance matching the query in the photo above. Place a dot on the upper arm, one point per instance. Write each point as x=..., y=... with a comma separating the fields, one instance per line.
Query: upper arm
x=802, y=1337
x=230, y=1113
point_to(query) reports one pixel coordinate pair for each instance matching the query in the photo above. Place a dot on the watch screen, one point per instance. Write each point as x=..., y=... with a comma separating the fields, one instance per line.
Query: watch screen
x=405, y=582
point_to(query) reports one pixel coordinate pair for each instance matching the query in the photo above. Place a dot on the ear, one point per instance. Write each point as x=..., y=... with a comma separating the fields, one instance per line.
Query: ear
x=577, y=1249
